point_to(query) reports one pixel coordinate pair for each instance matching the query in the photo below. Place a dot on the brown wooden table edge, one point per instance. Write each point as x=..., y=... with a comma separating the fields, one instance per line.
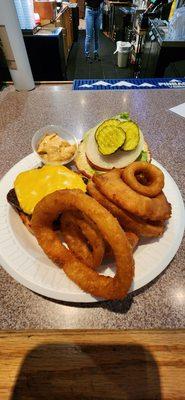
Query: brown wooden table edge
x=92, y=330
x=96, y=335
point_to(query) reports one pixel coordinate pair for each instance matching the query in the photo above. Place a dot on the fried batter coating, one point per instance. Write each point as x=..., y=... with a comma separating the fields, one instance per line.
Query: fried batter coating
x=144, y=178
x=112, y=186
x=128, y=221
x=82, y=238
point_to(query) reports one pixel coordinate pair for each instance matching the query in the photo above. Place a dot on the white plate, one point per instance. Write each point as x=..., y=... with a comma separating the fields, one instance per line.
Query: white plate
x=25, y=261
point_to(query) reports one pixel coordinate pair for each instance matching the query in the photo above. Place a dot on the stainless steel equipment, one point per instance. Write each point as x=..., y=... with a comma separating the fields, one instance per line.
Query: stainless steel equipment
x=160, y=55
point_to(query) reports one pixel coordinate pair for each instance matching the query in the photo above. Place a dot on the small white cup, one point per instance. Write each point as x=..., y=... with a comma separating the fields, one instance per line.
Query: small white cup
x=49, y=129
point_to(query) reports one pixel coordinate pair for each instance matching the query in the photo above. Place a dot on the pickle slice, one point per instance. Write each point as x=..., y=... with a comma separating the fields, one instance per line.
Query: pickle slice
x=132, y=135
x=112, y=122
x=110, y=139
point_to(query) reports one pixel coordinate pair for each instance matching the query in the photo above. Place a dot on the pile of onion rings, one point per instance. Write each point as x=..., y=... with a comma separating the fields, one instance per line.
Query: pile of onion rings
x=50, y=208
x=124, y=204
x=123, y=193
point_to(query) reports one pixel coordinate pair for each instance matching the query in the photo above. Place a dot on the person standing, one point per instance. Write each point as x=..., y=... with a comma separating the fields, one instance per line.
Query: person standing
x=93, y=13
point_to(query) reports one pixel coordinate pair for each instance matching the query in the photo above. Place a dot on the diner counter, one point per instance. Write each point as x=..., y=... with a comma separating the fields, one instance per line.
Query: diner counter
x=160, y=304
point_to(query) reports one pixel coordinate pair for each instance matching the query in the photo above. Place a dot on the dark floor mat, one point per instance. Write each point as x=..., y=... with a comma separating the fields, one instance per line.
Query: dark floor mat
x=129, y=84
x=78, y=68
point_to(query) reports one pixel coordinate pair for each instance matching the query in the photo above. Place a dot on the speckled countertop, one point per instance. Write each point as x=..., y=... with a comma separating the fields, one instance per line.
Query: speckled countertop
x=162, y=303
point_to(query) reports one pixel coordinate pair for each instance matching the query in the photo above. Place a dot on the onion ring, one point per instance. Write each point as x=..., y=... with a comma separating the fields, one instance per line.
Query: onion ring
x=128, y=221
x=75, y=229
x=113, y=187
x=133, y=241
x=144, y=178
x=49, y=209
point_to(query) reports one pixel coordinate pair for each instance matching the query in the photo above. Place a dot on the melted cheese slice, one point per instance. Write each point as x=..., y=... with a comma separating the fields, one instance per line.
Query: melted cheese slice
x=31, y=186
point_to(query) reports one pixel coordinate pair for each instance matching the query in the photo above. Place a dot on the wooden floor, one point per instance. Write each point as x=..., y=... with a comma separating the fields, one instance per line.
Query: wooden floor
x=93, y=365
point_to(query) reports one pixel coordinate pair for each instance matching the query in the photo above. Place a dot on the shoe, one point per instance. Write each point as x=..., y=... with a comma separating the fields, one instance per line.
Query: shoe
x=97, y=57
x=88, y=59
